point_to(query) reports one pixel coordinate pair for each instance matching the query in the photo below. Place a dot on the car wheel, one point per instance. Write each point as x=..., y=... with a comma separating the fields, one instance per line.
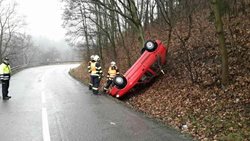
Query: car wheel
x=120, y=81
x=150, y=46
x=143, y=50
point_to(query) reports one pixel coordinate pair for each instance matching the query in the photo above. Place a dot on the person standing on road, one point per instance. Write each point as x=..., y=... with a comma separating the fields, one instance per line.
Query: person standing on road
x=96, y=74
x=112, y=72
x=92, y=60
x=5, y=72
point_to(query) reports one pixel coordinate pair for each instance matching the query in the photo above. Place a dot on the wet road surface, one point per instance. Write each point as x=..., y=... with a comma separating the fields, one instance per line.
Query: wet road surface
x=49, y=105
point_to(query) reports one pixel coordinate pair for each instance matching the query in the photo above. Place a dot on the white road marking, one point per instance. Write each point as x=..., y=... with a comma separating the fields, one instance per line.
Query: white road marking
x=112, y=123
x=46, y=134
x=43, y=98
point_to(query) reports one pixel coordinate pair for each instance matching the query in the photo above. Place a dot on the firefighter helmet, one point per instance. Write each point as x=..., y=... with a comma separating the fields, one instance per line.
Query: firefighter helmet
x=112, y=63
x=97, y=58
x=92, y=57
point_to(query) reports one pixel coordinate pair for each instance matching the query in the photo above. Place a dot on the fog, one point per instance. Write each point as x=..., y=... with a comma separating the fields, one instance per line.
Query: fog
x=51, y=51
x=34, y=33
x=36, y=51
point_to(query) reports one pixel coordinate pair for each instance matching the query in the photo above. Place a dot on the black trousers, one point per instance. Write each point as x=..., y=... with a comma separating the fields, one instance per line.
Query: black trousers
x=95, y=80
x=109, y=82
x=5, y=87
x=90, y=83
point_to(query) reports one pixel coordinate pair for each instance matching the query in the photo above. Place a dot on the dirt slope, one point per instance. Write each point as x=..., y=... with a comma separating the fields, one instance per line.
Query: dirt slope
x=202, y=107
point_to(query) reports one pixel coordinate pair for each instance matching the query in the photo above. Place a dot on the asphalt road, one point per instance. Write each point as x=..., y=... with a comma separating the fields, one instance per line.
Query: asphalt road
x=49, y=105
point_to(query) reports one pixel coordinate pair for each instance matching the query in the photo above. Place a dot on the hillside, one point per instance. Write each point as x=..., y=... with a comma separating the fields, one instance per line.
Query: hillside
x=190, y=93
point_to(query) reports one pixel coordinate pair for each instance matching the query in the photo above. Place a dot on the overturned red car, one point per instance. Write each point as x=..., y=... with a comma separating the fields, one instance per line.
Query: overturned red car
x=148, y=66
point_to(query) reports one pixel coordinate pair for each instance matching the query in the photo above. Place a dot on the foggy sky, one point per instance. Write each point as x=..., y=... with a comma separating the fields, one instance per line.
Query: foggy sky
x=43, y=18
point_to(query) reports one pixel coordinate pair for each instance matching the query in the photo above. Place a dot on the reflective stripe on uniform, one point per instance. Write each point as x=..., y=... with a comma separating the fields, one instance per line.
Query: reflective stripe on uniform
x=5, y=71
x=100, y=72
x=89, y=66
x=94, y=88
x=94, y=74
x=4, y=77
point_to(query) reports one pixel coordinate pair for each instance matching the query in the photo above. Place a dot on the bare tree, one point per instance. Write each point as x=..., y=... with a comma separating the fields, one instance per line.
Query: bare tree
x=123, y=40
x=165, y=12
x=8, y=25
x=221, y=38
x=130, y=14
x=21, y=49
x=85, y=29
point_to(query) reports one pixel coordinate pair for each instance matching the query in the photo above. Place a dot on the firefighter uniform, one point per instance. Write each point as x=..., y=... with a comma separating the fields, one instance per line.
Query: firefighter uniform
x=89, y=70
x=5, y=72
x=112, y=72
x=95, y=74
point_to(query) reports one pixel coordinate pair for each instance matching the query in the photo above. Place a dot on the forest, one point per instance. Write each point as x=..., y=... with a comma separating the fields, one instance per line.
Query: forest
x=22, y=48
x=206, y=89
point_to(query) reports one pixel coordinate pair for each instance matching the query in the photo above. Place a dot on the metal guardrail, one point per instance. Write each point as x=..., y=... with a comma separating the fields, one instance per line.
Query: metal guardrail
x=17, y=68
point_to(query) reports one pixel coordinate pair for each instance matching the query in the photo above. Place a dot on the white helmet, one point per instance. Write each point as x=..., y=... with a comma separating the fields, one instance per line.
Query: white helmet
x=112, y=63
x=92, y=57
x=97, y=58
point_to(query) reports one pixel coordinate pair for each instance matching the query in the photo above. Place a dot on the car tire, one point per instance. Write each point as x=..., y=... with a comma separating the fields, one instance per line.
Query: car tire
x=150, y=46
x=143, y=50
x=120, y=81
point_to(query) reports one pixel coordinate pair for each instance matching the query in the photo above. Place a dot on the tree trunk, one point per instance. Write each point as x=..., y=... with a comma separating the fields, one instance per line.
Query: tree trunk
x=113, y=30
x=1, y=44
x=137, y=22
x=221, y=38
x=99, y=37
x=123, y=42
x=146, y=21
x=84, y=24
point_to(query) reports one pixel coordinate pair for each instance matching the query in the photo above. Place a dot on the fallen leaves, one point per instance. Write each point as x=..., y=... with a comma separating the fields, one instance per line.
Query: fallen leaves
x=209, y=112
x=202, y=109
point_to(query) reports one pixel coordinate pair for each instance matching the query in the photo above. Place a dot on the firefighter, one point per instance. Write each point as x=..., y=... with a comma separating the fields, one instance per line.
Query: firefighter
x=96, y=74
x=92, y=60
x=112, y=72
x=5, y=72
